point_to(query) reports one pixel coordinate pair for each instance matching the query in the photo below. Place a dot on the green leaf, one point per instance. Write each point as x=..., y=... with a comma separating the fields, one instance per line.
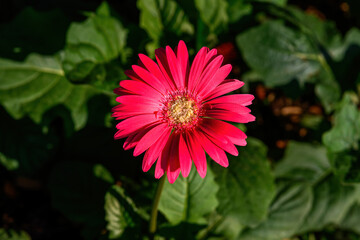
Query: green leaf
x=162, y=17
x=345, y=133
x=352, y=219
x=183, y=201
x=236, y=9
x=277, y=2
x=288, y=210
x=301, y=168
x=227, y=226
x=346, y=165
x=214, y=14
x=279, y=53
x=323, y=32
x=331, y=202
x=78, y=190
x=23, y=145
x=91, y=44
x=346, y=56
x=121, y=215
x=309, y=197
x=35, y=86
x=351, y=43
x=11, y=234
x=327, y=89
x=303, y=162
x=249, y=180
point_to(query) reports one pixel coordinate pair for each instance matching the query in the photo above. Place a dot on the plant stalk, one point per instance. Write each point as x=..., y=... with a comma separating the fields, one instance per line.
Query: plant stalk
x=154, y=210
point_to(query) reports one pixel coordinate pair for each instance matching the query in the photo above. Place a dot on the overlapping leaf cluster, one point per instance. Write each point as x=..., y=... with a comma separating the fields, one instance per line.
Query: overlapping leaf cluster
x=55, y=115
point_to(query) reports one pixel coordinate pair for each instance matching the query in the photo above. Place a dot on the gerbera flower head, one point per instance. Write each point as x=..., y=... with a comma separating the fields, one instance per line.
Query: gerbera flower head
x=175, y=112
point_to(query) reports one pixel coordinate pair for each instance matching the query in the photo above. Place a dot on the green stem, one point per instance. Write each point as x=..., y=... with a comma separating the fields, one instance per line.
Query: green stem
x=154, y=210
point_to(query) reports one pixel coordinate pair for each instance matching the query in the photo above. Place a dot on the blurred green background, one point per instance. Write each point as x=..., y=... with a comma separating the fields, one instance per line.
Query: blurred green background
x=63, y=176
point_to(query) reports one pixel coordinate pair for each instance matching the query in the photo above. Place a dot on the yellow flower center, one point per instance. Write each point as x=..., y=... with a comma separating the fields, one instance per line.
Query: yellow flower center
x=182, y=110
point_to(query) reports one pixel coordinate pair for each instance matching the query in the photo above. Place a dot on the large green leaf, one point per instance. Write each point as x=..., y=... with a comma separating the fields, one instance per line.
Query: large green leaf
x=35, y=86
x=342, y=140
x=237, y=9
x=214, y=14
x=345, y=133
x=159, y=18
x=248, y=180
x=303, y=165
x=78, y=190
x=280, y=54
x=327, y=89
x=91, y=44
x=350, y=45
x=347, y=57
x=11, y=234
x=277, y=2
x=121, y=215
x=346, y=165
x=189, y=199
x=331, y=202
x=303, y=162
x=309, y=165
x=309, y=197
x=323, y=32
x=352, y=219
x=288, y=210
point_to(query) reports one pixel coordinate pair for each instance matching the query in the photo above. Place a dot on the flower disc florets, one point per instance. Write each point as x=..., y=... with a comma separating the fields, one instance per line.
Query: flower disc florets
x=181, y=111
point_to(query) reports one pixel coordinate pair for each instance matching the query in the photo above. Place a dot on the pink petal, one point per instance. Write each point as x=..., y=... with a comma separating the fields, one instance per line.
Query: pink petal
x=150, y=138
x=154, y=151
x=183, y=59
x=140, y=88
x=172, y=174
x=133, y=124
x=220, y=140
x=230, y=116
x=124, y=115
x=152, y=67
x=197, y=68
x=121, y=91
x=136, y=99
x=209, y=71
x=174, y=67
x=243, y=99
x=150, y=79
x=233, y=107
x=184, y=157
x=227, y=86
x=163, y=161
x=146, y=107
x=132, y=75
x=221, y=74
x=134, y=138
x=161, y=167
x=174, y=165
x=216, y=153
x=234, y=134
x=197, y=154
x=164, y=66
x=210, y=55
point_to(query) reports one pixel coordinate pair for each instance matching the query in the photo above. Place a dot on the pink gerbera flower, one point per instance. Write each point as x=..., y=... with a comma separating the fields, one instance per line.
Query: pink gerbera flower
x=175, y=113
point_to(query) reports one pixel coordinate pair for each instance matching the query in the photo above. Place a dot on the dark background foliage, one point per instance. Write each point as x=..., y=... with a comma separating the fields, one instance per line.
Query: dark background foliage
x=63, y=176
